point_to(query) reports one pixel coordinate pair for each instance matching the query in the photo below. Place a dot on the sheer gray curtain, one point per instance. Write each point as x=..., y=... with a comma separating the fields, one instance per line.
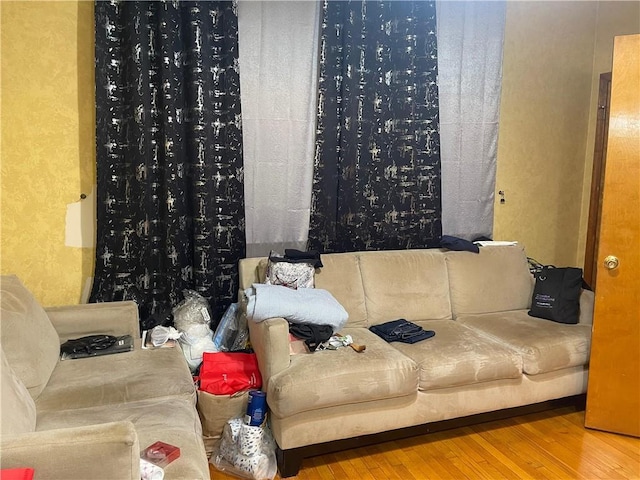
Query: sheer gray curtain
x=278, y=77
x=470, y=38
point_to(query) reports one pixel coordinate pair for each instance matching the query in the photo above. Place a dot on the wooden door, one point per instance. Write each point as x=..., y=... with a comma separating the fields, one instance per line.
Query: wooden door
x=613, y=395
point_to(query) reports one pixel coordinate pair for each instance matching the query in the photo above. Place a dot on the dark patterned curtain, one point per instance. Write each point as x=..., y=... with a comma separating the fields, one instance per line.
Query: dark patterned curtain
x=376, y=182
x=170, y=208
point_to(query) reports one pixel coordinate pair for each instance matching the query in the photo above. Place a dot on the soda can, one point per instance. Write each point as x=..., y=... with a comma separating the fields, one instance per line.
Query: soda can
x=256, y=408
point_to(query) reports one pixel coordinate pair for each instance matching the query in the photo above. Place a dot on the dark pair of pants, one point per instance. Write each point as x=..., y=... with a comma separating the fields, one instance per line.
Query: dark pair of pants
x=401, y=331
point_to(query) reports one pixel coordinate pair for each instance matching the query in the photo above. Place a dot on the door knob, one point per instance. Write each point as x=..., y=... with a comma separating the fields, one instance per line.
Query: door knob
x=611, y=262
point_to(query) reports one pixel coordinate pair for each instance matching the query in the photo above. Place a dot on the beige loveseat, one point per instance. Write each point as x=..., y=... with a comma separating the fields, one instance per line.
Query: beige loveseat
x=487, y=353
x=89, y=418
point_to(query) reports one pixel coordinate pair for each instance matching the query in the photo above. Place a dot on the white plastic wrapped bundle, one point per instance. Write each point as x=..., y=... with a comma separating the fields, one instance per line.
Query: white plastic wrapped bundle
x=193, y=310
x=193, y=348
x=161, y=335
x=192, y=318
x=257, y=465
x=246, y=451
x=250, y=440
x=149, y=471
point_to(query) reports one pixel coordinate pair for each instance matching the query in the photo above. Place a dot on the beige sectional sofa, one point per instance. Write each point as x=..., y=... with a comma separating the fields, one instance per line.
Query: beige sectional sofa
x=89, y=418
x=487, y=354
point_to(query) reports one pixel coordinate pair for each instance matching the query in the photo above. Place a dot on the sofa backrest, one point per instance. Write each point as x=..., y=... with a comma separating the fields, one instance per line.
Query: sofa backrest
x=249, y=273
x=341, y=276
x=29, y=341
x=375, y=287
x=495, y=280
x=422, y=284
x=18, y=408
x=409, y=284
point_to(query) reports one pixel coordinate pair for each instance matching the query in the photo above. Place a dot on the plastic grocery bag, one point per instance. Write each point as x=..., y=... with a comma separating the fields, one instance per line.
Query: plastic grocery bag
x=225, y=373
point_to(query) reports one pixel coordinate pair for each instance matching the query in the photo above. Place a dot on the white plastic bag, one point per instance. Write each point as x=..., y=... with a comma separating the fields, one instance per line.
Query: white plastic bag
x=161, y=335
x=193, y=310
x=192, y=318
x=193, y=348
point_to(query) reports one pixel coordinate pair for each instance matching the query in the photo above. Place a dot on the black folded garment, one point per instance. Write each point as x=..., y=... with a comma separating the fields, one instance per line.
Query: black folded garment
x=458, y=244
x=295, y=256
x=401, y=330
x=313, y=335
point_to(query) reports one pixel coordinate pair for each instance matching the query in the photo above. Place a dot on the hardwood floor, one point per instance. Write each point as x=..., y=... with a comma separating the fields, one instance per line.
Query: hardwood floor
x=548, y=445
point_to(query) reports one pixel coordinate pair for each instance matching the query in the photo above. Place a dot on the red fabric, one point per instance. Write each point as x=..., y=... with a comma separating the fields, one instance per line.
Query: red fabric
x=225, y=373
x=16, y=474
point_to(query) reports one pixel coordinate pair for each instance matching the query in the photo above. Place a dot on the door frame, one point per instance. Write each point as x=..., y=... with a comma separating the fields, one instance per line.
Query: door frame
x=597, y=180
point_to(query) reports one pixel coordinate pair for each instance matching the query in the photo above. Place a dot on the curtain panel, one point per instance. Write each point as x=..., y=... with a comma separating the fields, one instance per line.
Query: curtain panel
x=279, y=82
x=470, y=40
x=376, y=178
x=170, y=205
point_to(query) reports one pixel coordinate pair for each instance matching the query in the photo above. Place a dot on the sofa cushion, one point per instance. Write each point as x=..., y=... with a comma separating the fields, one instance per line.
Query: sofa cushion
x=495, y=280
x=29, y=341
x=338, y=377
x=409, y=284
x=340, y=275
x=19, y=411
x=458, y=355
x=116, y=379
x=172, y=420
x=545, y=346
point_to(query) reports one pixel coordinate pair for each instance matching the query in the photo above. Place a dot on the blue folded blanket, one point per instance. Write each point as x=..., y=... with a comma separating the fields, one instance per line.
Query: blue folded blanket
x=401, y=330
x=304, y=305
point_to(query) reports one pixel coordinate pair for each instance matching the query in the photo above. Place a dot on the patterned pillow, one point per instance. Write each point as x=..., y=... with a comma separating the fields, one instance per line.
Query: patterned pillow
x=293, y=275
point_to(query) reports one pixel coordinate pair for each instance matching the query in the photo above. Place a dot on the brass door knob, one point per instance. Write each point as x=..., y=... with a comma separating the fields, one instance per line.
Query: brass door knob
x=611, y=262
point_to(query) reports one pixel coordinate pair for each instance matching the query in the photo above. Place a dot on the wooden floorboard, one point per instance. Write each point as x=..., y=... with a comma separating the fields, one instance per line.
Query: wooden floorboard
x=548, y=445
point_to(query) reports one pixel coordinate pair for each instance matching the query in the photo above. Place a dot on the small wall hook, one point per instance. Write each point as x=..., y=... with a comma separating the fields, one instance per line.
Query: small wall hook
x=501, y=193
x=83, y=196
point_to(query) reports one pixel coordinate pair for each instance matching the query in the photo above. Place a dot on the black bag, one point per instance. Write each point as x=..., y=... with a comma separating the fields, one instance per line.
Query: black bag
x=556, y=295
x=87, y=344
x=95, y=345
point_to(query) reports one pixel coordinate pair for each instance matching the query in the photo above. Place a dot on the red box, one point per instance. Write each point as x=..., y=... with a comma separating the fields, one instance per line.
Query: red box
x=160, y=454
x=16, y=474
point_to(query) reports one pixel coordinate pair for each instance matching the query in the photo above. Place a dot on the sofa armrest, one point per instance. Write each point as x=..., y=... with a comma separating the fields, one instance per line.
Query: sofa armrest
x=110, y=318
x=587, y=299
x=107, y=450
x=270, y=341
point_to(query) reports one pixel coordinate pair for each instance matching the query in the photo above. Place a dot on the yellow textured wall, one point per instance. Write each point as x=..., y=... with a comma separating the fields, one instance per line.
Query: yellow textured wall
x=47, y=156
x=614, y=18
x=546, y=91
x=554, y=52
